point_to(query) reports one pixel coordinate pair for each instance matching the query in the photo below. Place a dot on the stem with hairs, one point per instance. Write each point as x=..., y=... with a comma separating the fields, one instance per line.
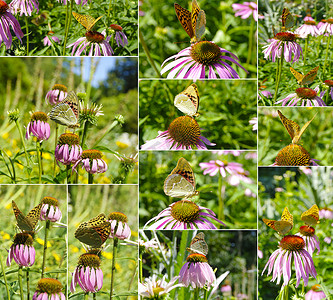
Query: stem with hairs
x=68, y=174
x=55, y=146
x=140, y=268
x=113, y=267
x=28, y=284
x=20, y=275
x=196, y=294
x=221, y=200
x=90, y=178
x=5, y=278
x=47, y=227
x=306, y=49
x=38, y=150
x=278, y=79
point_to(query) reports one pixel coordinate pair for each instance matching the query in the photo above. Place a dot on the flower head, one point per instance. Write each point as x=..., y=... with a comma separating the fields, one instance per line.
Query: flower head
x=246, y=9
x=38, y=126
x=49, y=289
x=120, y=37
x=214, y=166
x=305, y=96
x=93, y=44
x=88, y=273
x=50, y=210
x=92, y=162
x=192, y=62
x=90, y=112
x=267, y=94
x=326, y=27
x=308, y=28
x=326, y=213
x=56, y=94
x=329, y=83
x=7, y=20
x=183, y=133
x=119, y=226
x=226, y=290
x=311, y=240
x=68, y=149
x=184, y=214
x=25, y=7
x=22, y=250
x=315, y=293
x=49, y=39
x=291, y=247
x=294, y=155
x=152, y=288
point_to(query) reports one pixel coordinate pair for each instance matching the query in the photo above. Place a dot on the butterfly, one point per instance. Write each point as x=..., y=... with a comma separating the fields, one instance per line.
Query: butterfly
x=86, y=21
x=311, y=216
x=66, y=112
x=293, y=128
x=188, y=101
x=181, y=183
x=288, y=20
x=194, y=23
x=284, y=225
x=307, y=78
x=94, y=232
x=28, y=222
x=198, y=245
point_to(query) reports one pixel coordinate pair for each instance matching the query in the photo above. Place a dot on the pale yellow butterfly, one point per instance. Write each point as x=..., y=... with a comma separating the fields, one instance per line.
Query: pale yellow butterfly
x=198, y=245
x=188, y=101
x=284, y=225
x=311, y=216
x=85, y=20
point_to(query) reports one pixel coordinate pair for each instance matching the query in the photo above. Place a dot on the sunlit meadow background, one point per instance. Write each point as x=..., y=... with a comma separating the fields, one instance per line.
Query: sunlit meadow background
x=240, y=211
x=26, y=198
x=316, y=51
x=317, y=138
x=233, y=251
x=225, y=109
x=85, y=203
x=298, y=189
x=165, y=36
x=111, y=82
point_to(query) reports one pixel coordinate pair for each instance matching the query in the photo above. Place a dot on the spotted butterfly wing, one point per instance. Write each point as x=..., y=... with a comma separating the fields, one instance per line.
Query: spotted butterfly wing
x=188, y=100
x=307, y=78
x=288, y=20
x=66, y=112
x=85, y=20
x=180, y=183
x=311, y=216
x=28, y=222
x=284, y=225
x=184, y=17
x=198, y=245
x=94, y=232
x=198, y=19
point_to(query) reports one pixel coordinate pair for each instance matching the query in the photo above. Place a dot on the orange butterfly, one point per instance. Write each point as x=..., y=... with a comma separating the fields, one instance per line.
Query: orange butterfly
x=307, y=78
x=311, y=216
x=284, y=225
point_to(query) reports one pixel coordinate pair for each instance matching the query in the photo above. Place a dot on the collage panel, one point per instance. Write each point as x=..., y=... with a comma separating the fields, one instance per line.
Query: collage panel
x=295, y=137
x=58, y=126
x=180, y=114
x=102, y=241
x=181, y=263
x=33, y=240
x=294, y=232
x=198, y=39
x=207, y=190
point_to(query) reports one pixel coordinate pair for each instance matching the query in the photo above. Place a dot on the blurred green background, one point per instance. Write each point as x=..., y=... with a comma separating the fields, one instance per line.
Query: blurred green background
x=317, y=138
x=27, y=197
x=85, y=203
x=225, y=109
x=165, y=36
x=298, y=189
x=240, y=211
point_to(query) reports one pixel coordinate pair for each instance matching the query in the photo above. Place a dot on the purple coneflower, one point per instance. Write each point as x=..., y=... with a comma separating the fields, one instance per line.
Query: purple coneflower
x=120, y=37
x=246, y=9
x=254, y=123
x=305, y=96
x=88, y=273
x=285, y=41
x=68, y=148
x=22, y=250
x=50, y=210
x=47, y=39
x=184, y=214
x=25, y=7
x=291, y=247
x=38, y=126
x=266, y=93
x=119, y=226
x=308, y=28
x=192, y=62
x=93, y=44
x=56, y=94
x=326, y=213
x=315, y=293
x=214, y=166
x=91, y=161
x=79, y=2
x=183, y=133
x=226, y=290
x=7, y=20
x=326, y=28
x=154, y=288
x=311, y=240
x=49, y=289
x=329, y=83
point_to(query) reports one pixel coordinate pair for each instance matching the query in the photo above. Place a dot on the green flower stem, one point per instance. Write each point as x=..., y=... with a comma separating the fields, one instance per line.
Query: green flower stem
x=69, y=174
x=38, y=150
x=94, y=296
x=113, y=267
x=326, y=55
x=27, y=31
x=20, y=275
x=28, y=284
x=5, y=278
x=86, y=296
x=278, y=78
x=84, y=135
x=140, y=268
x=68, y=23
x=305, y=49
x=47, y=227
x=327, y=96
x=196, y=294
x=55, y=146
x=145, y=48
x=205, y=294
x=221, y=200
x=249, y=53
x=109, y=10
x=90, y=178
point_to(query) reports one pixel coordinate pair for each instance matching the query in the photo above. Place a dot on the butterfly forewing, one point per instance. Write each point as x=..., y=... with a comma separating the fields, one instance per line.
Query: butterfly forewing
x=85, y=20
x=184, y=17
x=188, y=100
x=299, y=77
x=29, y=222
x=198, y=245
x=288, y=20
x=284, y=225
x=307, y=78
x=200, y=27
x=311, y=216
x=291, y=126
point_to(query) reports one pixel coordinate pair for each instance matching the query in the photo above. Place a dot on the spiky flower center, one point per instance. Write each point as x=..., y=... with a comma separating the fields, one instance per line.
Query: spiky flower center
x=293, y=155
x=91, y=154
x=307, y=230
x=285, y=36
x=329, y=82
x=330, y=21
x=185, y=211
x=306, y=93
x=3, y=7
x=292, y=243
x=205, y=53
x=89, y=260
x=116, y=27
x=185, y=130
x=316, y=287
x=69, y=139
x=39, y=115
x=94, y=36
x=50, y=201
x=313, y=23
x=196, y=257
x=120, y=217
x=23, y=238
x=59, y=87
x=49, y=286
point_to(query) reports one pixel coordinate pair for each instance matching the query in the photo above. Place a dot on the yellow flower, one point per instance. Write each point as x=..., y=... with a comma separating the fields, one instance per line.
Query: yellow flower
x=9, y=153
x=118, y=267
x=107, y=255
x=5, y=135
x=6, y=236
x=46, y=155
x=74, y=249
x=56, y=256
x=8, y=206
x=41, y=242
x=121, y=145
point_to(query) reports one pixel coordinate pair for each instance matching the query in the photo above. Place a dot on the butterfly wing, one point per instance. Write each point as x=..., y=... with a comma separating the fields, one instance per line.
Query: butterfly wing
x=288, y=20
x=198, y=20
x=29, y=222
x=184, y=169
x=198, y=245
x=291, y=126
x=299, y=77
x=188, y=100
x=184, y=17
x=311, y=216
x=310, y=77
x=85, y=20
x=284, y=225
x=298, y=136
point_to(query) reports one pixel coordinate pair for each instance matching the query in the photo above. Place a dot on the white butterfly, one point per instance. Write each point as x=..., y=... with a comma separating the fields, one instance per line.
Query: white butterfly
x=188, y=101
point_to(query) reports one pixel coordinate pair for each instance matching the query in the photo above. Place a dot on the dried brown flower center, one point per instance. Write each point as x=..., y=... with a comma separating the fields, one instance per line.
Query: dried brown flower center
x=313, y=23
x=39, y=116
x=293, y=155
x=94, y=36
x=49, y=286
x=306, y=93
x=196, y=257
x=307, y=230
x=3, y=7
x=23, y=238
x=50, y=201
x=285, y=36
x=59, y=87
x=292, y=243
x=89, y=260
x=205, y=53
x=91, y=154
x=69, y=139
x=329, y=82
x=118, y=216
x=185, y=211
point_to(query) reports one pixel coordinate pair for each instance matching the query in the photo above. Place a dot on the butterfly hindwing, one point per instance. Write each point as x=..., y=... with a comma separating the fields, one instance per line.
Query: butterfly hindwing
x=28, y=222
x=311, y=216
x=188, y=100
x=284, y=225
x=85, y=20
x=198, y=245
x=288, y=20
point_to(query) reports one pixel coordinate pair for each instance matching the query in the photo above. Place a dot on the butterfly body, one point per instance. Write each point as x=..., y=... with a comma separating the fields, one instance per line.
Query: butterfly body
x=28, y=222
x=288, y=20
x=307, y=78
x=311, y=216
x=188, y=100
x=198, y=245
x=86, y=21
x=284, y=225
